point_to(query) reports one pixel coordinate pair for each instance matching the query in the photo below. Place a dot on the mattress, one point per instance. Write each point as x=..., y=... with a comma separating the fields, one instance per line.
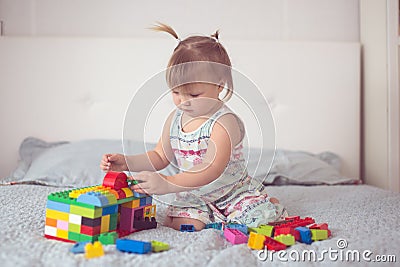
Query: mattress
x=361, y=218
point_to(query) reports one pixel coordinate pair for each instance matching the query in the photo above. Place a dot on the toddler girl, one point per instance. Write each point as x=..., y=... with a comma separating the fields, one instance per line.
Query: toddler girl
x=204, y=138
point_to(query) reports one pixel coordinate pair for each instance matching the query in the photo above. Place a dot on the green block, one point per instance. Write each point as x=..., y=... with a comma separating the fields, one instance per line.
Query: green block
x=319, y=234
x=124, y=200
x=76, y=228
x=86, y=212
x=113, y=222
x=263, y=230
x=89, y=238
x=63, y=197
x=157, y=246
x=74, y=236
x=288, y=239
x=108, y=238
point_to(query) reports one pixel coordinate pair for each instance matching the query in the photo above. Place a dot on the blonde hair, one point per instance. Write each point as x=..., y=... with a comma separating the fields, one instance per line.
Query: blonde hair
x=207, y=54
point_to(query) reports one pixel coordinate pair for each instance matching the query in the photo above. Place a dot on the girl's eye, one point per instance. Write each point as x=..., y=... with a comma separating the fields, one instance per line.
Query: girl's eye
x=194, y=95
x=175, y=93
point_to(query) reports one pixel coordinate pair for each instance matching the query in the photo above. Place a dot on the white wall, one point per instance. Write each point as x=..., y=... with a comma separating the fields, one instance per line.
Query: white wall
x=288, y=20
x=327, y=20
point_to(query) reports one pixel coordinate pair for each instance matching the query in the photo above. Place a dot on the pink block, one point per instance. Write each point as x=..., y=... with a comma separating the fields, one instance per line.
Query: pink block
x=126, y=219
x=63, y=225
x=235, y=236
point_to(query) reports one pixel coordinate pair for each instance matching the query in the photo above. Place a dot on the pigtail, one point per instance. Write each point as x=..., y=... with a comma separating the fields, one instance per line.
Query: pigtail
x=161, y=27
x=215, y=35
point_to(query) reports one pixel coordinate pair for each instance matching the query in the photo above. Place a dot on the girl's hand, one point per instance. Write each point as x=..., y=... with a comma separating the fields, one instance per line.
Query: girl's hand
x=151, y=183
x=113, y=162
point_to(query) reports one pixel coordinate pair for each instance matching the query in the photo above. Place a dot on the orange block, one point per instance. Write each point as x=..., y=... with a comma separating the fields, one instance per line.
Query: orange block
x=51, y=222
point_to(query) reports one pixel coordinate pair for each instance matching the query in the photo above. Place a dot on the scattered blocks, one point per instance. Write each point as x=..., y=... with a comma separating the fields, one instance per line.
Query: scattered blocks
x=187, y=228
x=133, y=246
x=256, y=241
x=93, y=250
x=157, y=246
x=287, y=239
x=235, y=236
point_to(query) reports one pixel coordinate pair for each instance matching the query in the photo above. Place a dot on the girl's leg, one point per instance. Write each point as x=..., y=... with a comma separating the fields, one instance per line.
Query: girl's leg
x=175, y=223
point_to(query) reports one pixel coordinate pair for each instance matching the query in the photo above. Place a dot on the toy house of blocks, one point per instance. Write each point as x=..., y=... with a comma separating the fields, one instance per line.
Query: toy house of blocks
x=84, y=214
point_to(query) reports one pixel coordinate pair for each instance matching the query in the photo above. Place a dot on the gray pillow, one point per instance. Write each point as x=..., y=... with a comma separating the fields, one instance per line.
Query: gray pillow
x=76, y=164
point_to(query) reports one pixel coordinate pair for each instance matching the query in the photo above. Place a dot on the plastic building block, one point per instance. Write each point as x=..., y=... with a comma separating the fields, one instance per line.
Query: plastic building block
x=305, y=235
x=296, y=223
x=157, y=246
x=317, y=234
x=187, y=228
x=256, y=241
x=115, y=180
x=273, y=244
x=79, y=247
x=266, y=230
x=235, y=236
x=147, y=223
x=108, y=238
x=321, y=226
x=287, y=239
x=133, y=246
x=217, y=226
x=287, y=230
x=93, y=250
x=83, y=214
x=241, y=227
x=292, y=218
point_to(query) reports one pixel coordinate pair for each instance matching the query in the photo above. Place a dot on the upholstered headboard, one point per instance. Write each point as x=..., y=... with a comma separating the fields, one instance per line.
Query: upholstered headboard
x=79, y=88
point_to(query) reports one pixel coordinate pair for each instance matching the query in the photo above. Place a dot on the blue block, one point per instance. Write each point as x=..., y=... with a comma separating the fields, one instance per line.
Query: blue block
x=133, y=246
x=53, y=205
x=138, y=195
x=93, y=198
x=142, y=202
x=217, y=226
x=79, y=247
x=187, y=228
x=305, y=235
x=110, y=210
x=149, y=200
x=241, y=227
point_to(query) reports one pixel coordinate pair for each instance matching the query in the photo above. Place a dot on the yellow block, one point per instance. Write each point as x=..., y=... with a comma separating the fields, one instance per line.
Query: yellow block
x=105, y=223
x=132, y=204
x=62, y=233
x=127, y=191
x=93, y=250
x=256, y=241
x=55, y=214
x=86, y=212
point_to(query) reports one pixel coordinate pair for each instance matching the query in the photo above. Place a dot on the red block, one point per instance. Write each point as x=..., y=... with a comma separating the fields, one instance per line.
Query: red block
x=115, y=180
x=321, y=226
x=292, y=218
x=89, y=230
x=272, y=244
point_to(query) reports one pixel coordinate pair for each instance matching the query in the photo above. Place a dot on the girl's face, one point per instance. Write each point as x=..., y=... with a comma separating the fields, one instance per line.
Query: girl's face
x=200, y=99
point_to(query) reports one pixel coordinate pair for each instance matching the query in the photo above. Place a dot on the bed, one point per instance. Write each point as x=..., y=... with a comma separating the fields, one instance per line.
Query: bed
x=316, y=171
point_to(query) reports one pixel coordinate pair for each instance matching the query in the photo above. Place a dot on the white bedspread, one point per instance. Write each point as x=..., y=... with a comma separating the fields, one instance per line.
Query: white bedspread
x=366, y=217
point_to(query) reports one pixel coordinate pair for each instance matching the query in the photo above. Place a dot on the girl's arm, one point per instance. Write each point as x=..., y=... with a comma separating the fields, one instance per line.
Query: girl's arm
x=156, y=159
